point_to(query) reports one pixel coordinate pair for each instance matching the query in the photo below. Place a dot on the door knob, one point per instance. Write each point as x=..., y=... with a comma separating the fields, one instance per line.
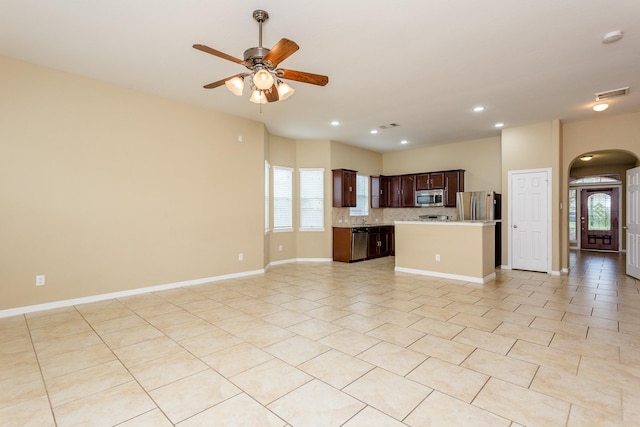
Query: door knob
x=515, y=226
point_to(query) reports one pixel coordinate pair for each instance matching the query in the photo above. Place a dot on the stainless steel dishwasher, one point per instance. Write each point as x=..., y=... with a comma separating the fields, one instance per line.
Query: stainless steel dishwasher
x=359, y=237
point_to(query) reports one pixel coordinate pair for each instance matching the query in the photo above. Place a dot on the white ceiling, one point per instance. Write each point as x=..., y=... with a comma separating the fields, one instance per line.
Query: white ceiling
x=422, y=64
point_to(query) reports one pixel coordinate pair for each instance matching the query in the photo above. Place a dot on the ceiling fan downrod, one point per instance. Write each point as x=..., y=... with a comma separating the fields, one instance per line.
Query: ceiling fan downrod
x=260, y=16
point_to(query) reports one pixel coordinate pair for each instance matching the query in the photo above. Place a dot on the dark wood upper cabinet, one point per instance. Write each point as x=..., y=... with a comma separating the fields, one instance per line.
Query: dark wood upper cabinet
x=428, y=181
x=453, y=182
x=394, y=199
x=408, y=191
x=344, y=188
x=398, y=191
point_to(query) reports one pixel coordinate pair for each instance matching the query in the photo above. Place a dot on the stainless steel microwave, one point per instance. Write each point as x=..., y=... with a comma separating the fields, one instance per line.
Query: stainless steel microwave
x=430, y=198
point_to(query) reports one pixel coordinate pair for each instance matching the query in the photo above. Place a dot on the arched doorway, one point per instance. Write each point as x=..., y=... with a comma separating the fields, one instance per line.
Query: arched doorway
x=596, y=200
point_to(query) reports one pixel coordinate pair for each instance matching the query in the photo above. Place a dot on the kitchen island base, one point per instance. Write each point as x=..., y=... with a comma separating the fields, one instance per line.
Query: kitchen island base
x=460, y=250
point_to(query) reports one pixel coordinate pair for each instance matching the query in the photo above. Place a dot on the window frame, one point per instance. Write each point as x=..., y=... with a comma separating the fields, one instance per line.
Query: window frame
x=319, y=226
x=267, y=195
x=277, y=198
x=362, y=194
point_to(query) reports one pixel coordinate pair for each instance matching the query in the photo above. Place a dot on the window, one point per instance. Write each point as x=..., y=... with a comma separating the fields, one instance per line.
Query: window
x=266, y=196
x=282, y=199
x=312, y=199
x=573, y=227
x=602, y=179
x=362, y=197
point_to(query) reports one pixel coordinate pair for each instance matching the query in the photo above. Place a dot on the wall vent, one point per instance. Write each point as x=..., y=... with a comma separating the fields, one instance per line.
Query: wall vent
x=389, y=126
x=601, y=96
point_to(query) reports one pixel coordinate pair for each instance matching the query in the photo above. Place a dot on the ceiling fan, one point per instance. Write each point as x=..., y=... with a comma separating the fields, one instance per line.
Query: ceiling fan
x=265, y=76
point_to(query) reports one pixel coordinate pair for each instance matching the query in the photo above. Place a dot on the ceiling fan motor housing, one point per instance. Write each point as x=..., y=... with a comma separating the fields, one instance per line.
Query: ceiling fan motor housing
x=254, y=55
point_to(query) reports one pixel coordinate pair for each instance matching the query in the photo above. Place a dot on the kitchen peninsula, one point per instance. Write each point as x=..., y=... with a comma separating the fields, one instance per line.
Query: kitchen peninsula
x=461, y=250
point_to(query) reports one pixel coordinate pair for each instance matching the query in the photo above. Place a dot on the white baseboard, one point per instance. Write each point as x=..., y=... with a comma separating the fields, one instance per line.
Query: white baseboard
x=94, y=298
x=472, y=279
x=289, y=261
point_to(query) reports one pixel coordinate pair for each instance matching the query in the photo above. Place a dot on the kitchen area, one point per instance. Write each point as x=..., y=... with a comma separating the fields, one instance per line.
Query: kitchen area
x=425, y=220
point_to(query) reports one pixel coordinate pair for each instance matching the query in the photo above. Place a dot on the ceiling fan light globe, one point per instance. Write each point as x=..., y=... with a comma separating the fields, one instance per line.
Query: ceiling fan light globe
x=263, y=79
x=258, y=97
x=284, y=91
x=235, y=85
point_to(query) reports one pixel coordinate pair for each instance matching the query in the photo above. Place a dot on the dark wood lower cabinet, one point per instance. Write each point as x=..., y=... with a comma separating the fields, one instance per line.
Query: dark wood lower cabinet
x=379, y=242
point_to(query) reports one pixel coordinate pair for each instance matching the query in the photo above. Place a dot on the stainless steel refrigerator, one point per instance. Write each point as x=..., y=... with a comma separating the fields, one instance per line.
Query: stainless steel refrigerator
x=482, y=206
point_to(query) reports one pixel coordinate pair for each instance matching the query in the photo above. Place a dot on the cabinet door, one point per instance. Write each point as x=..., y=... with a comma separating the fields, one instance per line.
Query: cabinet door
x=383, y=245
x=408, y=191
x=384, y=191
x=344, y=188
x=374, y=184
x=436, y=180
x=395, y=192
x=373, y=250
x=349, y=179
x=342, y=244
x=422, y=181
x=454, y=182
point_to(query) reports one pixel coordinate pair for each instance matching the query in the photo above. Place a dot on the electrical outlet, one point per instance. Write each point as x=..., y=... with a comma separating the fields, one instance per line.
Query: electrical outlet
x=437, y=257
x=240, y=256
x=40, y=280
x=239, y=138
x=280, y=248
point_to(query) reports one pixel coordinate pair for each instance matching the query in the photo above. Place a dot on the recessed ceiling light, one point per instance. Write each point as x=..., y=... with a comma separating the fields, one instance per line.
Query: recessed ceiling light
x=374, y=131
x=586, y=158
x=404, y=141
x=478, y=108
x=600, y=107
x=335, y=123
x=612, y=36
x=499, y=125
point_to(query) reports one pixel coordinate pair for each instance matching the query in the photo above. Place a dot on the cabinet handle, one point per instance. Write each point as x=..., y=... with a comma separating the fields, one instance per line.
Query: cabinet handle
x=350, y=188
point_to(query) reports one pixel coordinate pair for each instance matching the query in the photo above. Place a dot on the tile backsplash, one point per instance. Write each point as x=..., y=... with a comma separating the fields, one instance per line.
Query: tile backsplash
x=340, y=216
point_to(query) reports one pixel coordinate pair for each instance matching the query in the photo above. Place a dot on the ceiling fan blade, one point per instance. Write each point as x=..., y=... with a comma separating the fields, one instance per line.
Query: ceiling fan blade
x=219, y=54
x=281, y=51
x=220, y=82
x=300, y=76
x=272, y=94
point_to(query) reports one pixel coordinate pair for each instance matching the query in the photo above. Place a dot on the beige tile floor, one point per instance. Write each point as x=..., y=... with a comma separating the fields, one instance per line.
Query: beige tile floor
x=315, y=344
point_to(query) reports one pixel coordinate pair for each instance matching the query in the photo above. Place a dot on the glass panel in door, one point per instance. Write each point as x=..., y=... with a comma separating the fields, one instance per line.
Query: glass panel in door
x=599, y=219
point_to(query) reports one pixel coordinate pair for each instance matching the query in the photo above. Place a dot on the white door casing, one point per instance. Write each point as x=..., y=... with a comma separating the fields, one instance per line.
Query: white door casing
x=633, y=222
x=530, y=219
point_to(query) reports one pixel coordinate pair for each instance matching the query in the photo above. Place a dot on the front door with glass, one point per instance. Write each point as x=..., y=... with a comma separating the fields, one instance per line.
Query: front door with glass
x=599, y=219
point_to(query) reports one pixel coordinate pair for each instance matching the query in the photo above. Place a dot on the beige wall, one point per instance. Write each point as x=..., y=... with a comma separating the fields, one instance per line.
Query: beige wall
x=534, y=146
x=607, y=133
x=365, y=162
x=296, y=244
x=480, y=159
x=316, y=244
x=282, y=152
x=104, y=189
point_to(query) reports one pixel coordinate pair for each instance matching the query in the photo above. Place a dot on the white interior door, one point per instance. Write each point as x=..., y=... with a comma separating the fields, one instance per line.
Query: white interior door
x=633, y=222
x=529, y=219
